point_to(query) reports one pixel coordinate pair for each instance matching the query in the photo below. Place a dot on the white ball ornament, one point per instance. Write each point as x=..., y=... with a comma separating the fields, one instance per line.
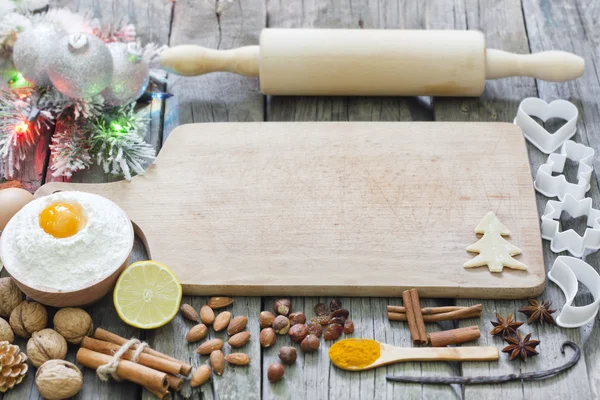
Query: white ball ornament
x=34, y=50
x=81, y=66
x=130, y=74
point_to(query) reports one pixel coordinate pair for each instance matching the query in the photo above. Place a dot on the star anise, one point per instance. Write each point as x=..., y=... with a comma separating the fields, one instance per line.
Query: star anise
x=521, y=347
x=505, y=327
x=539, y=311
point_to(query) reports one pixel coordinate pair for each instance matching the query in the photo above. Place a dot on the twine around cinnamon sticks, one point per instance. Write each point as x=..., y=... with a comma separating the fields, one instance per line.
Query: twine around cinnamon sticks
x=416, y=317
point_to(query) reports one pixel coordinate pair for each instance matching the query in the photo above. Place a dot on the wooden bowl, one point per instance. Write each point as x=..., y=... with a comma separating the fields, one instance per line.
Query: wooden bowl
x=84, y=296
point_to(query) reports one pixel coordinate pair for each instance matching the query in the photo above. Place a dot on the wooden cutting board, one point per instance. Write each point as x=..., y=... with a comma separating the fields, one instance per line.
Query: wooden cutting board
x=334, y=208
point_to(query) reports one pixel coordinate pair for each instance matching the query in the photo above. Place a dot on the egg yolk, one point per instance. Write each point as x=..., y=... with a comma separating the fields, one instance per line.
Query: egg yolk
x=62, y=220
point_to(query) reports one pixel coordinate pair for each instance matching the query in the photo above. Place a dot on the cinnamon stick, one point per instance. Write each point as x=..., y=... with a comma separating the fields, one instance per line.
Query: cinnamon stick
x=464, y=313
x=166, y=395
x=431, y=318
x=150, y=361
x=175, y=383
x=427, y=310
x=414, y=316
x=454, y=336
x=155, y=381
x=102, y=334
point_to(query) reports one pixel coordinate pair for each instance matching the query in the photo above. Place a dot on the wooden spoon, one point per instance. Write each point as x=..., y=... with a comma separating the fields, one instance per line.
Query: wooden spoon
x=393, y=354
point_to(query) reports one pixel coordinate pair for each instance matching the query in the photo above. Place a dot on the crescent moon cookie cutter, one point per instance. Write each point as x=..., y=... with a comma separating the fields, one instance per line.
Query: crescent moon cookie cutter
x=558, y=186
x=566, y=272
x=570, y=240
x=538, y=135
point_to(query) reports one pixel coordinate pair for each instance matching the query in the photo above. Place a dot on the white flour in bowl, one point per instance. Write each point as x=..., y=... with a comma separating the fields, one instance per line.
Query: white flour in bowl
x=41, y=261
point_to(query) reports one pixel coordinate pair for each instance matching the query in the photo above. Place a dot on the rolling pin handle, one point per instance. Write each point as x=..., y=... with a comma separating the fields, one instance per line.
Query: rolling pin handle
x=192, y=60
x=554, y=66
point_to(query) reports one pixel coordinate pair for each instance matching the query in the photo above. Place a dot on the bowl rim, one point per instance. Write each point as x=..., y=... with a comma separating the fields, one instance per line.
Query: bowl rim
x=93, y=283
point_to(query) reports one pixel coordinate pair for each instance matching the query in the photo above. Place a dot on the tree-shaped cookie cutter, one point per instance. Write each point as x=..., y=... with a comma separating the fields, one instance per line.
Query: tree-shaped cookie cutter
x=570, y=240
x=537, y=134
x=565, y=272
x=558, y=186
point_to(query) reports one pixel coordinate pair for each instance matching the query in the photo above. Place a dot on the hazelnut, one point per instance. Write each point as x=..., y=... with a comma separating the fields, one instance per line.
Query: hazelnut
x=10, y=296
x=314, y=329
x=6, y=332
x=275, y=372
x=58, y=379
x=310, y=343
x=281, y=324
x=282, y=306
x=73, y=324
x=298, y=332
x=267, y=337
x=45, y=345
x=287, y=355
x=266, y=319
x=28, y=317
x=297, y=318
x=348, y=326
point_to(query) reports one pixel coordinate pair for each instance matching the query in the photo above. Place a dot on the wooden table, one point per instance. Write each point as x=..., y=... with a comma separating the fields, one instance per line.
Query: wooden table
x=519, y=26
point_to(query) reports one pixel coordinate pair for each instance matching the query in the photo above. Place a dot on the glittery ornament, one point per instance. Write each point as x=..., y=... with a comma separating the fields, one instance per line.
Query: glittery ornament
x=81, y=66
x=33, y=52
x=130, y=74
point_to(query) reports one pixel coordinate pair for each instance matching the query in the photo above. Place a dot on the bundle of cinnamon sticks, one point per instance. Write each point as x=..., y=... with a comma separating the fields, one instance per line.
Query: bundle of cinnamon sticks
x=416, y=317
x=154, y=370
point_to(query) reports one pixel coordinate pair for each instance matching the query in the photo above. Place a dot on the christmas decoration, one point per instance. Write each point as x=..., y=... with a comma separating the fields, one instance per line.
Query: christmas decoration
x=81, y=66
x=494, y=251
x=130, y=74
x=13, y=365
x=33, y=51
x=71, y=78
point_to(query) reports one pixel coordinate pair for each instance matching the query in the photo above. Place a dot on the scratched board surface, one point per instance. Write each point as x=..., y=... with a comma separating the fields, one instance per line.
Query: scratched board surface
x=338, y=208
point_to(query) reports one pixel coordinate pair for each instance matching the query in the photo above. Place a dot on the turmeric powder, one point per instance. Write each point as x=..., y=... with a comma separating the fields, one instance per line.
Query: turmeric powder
x=354, y=353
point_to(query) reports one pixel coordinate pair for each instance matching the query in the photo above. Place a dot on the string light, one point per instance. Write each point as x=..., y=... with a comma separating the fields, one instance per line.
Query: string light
x=22, y=128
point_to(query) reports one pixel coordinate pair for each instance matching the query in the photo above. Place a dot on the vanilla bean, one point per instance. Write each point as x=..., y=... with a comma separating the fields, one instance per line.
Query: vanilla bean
x=477, y=380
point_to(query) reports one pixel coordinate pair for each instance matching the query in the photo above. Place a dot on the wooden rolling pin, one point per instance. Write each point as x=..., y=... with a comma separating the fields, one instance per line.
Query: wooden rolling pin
x=372, y=62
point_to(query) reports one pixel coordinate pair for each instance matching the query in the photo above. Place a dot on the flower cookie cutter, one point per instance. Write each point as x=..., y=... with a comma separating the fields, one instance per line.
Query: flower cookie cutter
x=565, y=272
x=570, y=240
x=557, y=186
x=537, y=134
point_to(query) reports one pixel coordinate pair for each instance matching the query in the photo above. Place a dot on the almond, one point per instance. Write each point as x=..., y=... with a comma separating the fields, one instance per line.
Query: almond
x=188, y=312
x=239, y=339
x=237, y=325
x=209, y=346
x=222, y=321
x=238, y=359
x=207, y=315
x=219, y=302
x=198, y=332
x=217, y=360
x=201, y=375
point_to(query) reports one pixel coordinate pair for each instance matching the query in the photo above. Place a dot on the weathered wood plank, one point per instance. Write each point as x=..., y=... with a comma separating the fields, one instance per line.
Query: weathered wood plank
x=315, y=375
x=572, y=26
x=503, y=24
x=215, y=98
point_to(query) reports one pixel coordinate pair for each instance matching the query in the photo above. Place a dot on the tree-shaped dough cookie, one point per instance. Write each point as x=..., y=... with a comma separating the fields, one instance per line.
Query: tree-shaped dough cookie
x=494, y=251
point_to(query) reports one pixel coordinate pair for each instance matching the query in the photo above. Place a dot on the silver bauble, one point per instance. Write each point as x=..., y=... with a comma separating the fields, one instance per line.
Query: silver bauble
x=33, y=51
x=81, y=66
x=130, y=74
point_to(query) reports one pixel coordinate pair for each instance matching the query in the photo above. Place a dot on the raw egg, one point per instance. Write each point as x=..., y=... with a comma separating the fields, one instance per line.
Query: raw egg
x=62, y=220
x=11, y=201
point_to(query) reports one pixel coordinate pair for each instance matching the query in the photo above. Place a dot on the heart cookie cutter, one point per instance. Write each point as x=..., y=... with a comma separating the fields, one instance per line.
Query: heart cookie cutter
x=558, y=186
x=565, y=272
x=537, y=134
x=570, y=240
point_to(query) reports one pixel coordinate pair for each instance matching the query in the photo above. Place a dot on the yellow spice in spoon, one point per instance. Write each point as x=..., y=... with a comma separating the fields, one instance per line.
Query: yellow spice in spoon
x=354, y=353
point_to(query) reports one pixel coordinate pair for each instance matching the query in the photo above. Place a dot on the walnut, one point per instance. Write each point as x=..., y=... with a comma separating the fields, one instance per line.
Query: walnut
x=28, y=317
x=73, y=324
x=45, y=345
x=6, y=332
x=10, y=296
x=58, y=379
